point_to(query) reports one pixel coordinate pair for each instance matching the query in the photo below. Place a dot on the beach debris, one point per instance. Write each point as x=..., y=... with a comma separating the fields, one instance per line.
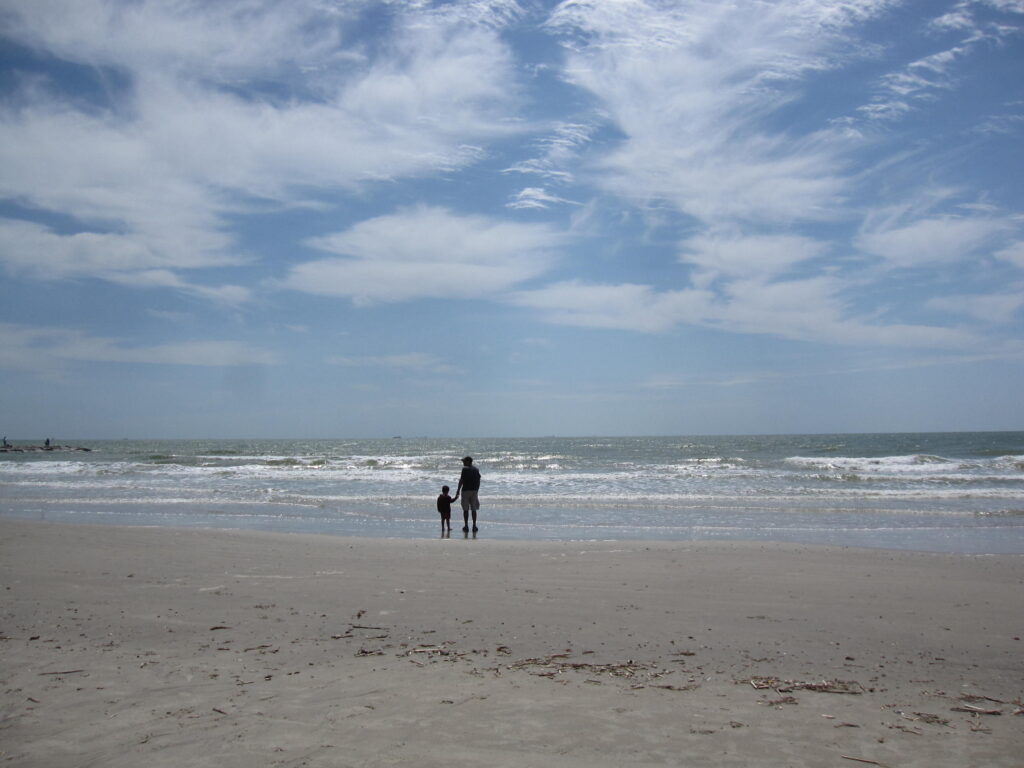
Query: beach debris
x=976, y=698
x=214, y=629
x=432, y=650
x=788, y=686
x=976, y=710
x=640, y=674
x=689, y=687
x=904, y=729
x=370, y=652
x=862, y=760
x=927, y=717
x=65, y=672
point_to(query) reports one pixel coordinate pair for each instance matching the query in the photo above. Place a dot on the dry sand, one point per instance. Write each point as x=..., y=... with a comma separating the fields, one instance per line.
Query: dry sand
x=148, y=647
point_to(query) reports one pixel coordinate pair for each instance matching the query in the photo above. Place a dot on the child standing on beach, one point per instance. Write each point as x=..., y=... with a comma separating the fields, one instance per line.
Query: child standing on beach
x=444, y=506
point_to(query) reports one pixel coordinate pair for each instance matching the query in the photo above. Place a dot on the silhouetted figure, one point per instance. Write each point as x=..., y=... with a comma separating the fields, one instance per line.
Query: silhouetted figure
x=469, y=487
x=444, y=506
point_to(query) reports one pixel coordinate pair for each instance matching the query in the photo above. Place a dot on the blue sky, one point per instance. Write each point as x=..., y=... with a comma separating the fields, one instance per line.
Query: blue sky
x=331, y=218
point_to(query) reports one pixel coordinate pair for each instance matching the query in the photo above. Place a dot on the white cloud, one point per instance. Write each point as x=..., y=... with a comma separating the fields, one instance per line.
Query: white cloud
x=1013, y=253
x=35, y=251
x=689, y=84
x=622, y=307
x=193, y=131
x=933, y=240
x=747, y=256
x=415, y=362
x=902, y=91
x=48, y=349
x=536, y=198
x=804, y=310
x=558, y=151
x=995, y=308
x=219, y=40
x=426, y=252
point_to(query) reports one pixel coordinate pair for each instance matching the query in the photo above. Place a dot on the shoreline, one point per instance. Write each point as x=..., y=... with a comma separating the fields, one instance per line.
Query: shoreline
x=177, y=646
x=952, y=541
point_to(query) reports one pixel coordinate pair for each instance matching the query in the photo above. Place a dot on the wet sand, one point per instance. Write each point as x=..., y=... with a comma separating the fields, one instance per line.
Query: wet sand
x=169, y=647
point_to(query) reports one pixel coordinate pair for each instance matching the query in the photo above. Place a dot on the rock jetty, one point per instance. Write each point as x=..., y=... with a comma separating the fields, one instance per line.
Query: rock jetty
x=7, y=448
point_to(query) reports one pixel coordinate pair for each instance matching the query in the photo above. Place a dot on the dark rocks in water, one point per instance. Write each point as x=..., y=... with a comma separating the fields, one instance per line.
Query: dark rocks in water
x=35, y=448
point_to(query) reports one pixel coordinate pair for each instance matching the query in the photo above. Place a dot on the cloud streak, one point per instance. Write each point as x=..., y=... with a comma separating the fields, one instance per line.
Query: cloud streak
x=196, y=132
x=426, y=252
x=48, y=349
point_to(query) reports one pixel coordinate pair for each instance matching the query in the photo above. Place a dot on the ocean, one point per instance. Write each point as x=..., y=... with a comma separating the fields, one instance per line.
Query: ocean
x=942, y=492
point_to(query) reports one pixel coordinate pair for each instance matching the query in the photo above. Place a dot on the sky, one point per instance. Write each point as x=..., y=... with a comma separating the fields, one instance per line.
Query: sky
x=345, y=218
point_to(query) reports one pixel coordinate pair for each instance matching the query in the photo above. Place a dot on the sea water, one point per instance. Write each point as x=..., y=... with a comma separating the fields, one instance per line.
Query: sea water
x=955, y=492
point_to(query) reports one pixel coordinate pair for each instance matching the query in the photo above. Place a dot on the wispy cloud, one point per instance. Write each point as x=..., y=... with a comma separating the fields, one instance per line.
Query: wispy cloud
x=701, y=92
x=46, y=350
x=919, y=81
x=426, y=252
x=931, y=241
x=558, y=153
x=995, y=308
x=537, y=198
x=195, y=131
x=688, y=85
x=1013, y=253
x=805, y=310
x=413, y=362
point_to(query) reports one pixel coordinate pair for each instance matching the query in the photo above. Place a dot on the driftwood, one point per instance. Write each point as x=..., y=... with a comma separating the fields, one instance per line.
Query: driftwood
x=975, y=698
x=976, y=710
x=927, y=717
x=553, y=666
x=433, y=650
x=788, y=686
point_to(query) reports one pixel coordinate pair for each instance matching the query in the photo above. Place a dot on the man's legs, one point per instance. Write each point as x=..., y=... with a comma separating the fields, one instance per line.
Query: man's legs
x=470, y=503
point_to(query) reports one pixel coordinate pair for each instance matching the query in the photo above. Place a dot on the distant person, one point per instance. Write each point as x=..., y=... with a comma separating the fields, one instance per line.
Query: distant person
x=469, y=488
x=444, y=506
x=47, y=442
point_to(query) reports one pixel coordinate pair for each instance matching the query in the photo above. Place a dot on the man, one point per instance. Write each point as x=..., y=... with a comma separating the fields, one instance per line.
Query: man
x=469, y=486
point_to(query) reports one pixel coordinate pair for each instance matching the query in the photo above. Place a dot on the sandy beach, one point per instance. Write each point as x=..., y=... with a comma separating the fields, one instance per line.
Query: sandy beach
x=176, y=647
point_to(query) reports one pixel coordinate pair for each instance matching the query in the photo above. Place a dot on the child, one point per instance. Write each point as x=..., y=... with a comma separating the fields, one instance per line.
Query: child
x=444, y=506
